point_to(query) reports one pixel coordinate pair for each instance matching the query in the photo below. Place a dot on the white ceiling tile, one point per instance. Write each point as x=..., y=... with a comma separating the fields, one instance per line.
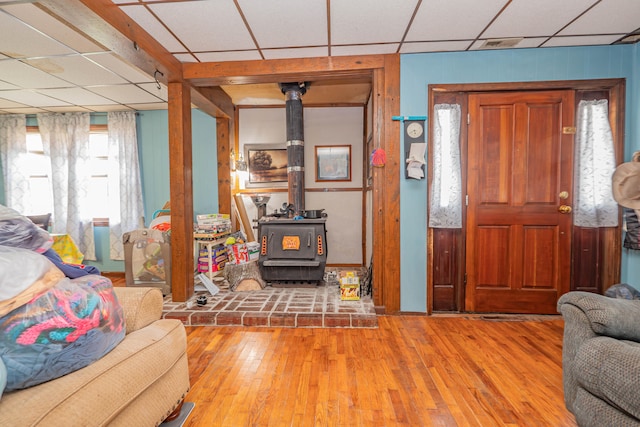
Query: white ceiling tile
x=25, y=76
x=70, y=109
x=5, y=86
x=7, y=103
x=107, y=108
x=524, y=18
x=303, y=52
x=369, y=49
x=75, y=95
x=607, y=17
x=38, y=18
x=152, y=88
x=525, y=43
x=114, y=63
x=150, y=106
x=124, y=94
x=242, y=55
x=582, y=40
x=151, y=25
x=185, y=57
x=369, y=21
x=76, y=69
x=28, y=97
x=21, y=41
x=27, y=110
x=212, y=25
x=435, y=17
x=273, y=26
x=434, y=46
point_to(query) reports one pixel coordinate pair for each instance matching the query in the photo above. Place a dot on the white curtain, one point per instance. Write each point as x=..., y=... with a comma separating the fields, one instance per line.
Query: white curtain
x=446, y=189
x=65, y=139
x=13, y=152
x=125, y=187
x=594, y=205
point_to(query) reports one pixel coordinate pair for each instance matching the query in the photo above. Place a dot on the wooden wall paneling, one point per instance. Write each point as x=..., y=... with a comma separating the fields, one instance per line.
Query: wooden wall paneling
x=224, y=145
x=445, y=269
x=585, y=270
x=181, y=191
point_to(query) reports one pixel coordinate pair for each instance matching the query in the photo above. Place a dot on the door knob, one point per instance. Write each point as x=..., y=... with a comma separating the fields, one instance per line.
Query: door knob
x=564, y=209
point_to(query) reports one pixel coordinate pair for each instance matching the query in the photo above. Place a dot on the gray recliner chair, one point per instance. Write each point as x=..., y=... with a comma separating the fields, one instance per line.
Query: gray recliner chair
x=601, y=359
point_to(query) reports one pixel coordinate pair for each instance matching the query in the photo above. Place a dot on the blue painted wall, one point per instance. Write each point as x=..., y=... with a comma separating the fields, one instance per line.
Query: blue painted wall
x=420, y=70
x=153, y=151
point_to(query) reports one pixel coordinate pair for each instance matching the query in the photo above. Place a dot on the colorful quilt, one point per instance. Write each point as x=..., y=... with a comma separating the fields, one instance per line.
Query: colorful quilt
x=66, y=328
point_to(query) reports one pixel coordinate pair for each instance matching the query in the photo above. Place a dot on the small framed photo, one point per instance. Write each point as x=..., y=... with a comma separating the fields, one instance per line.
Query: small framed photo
x=333, y=163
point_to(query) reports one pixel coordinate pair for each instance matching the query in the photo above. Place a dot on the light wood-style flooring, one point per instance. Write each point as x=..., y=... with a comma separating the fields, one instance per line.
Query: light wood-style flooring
x=411, y=371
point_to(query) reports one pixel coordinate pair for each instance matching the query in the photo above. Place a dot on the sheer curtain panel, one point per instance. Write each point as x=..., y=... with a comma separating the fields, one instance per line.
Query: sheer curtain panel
x=595, y=163
x=125, y=187
x=13, y=152
x=65, y=139
x=446, y=189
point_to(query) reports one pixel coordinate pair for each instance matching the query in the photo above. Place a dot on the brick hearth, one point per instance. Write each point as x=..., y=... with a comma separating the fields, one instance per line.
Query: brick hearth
x=316, y=307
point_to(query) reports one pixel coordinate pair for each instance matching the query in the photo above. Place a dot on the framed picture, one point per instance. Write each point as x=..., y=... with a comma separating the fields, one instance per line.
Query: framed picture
x=266, y=164
x=333, y=163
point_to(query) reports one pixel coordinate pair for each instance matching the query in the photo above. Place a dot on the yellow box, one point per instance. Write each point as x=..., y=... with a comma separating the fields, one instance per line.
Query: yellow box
x=349, y=286
x=349, y=292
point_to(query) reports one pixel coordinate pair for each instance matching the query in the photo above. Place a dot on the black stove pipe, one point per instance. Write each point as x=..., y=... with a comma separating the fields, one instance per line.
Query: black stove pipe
x=295, y=143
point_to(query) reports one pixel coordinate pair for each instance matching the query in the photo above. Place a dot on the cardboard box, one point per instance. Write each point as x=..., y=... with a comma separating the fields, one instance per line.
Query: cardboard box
x=349, y=286
x=238, y=253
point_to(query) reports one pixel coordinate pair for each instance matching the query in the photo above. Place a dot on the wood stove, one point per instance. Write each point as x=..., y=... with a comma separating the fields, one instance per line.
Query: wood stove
x=292, y=250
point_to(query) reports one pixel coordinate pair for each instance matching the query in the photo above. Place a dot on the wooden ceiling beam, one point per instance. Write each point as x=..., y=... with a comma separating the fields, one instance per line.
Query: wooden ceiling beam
x=281, y=70
x=213, y=101
x=97, y=19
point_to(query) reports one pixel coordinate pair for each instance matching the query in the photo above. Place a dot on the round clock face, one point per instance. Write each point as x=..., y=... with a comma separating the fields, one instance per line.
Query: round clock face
x=414, y=130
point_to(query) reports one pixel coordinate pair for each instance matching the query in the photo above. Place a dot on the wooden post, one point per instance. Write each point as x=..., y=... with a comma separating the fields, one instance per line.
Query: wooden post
x=181, y=191
x=224, y=165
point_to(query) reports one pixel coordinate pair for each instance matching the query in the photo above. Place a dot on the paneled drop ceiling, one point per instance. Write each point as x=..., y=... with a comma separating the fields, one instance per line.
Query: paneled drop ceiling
x=46, y=65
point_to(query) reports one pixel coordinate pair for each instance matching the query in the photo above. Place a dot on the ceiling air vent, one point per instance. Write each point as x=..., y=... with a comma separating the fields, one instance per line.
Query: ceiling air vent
x=501, y=43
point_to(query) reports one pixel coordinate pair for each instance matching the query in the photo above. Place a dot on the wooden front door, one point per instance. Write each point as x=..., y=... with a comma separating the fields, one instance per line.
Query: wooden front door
x=520, y=167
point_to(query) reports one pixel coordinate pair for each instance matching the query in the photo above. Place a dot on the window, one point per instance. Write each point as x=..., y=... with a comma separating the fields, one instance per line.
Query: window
x=40, y=170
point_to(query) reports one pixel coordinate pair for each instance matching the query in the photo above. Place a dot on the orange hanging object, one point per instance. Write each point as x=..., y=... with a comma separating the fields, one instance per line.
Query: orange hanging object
x=378, y=158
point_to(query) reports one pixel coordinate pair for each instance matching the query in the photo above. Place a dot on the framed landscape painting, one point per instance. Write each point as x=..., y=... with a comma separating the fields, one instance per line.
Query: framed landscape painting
x=267, y=164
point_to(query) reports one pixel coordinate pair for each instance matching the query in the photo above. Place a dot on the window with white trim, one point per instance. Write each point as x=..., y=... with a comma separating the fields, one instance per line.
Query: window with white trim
x=40, y=171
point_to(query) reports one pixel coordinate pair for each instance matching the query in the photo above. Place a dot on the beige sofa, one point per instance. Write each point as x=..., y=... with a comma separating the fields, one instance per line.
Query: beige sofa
x=139, y=383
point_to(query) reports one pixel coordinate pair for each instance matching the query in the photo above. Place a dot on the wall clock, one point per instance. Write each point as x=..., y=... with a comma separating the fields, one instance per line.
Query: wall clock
x=415, y=130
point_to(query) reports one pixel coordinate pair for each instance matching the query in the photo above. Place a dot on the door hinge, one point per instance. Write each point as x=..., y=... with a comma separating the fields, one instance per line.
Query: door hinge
x=569, y=130
x=466, y=200
x=468, y=118
x=465, y=278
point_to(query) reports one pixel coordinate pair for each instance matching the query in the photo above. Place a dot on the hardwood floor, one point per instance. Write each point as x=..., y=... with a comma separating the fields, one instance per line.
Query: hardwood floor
x=411, y=371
